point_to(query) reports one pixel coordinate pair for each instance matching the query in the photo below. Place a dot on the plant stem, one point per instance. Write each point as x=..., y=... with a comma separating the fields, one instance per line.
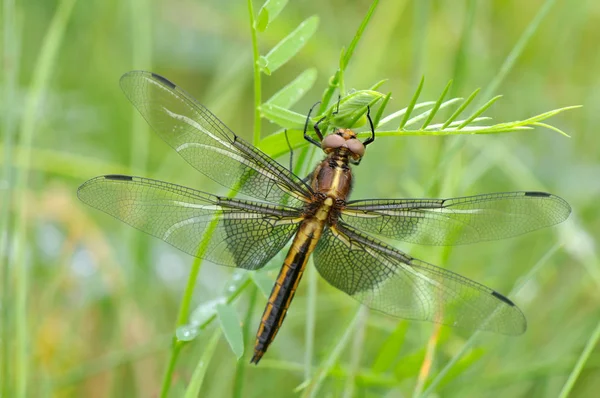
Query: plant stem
x=256, y=68
x=10, y=77
x=39, y=85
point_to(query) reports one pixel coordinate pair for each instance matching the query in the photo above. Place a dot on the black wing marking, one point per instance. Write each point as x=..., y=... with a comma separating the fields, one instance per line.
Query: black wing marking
x=207, y=144
x=390, y=281
x=458, y=220
x=245, y=234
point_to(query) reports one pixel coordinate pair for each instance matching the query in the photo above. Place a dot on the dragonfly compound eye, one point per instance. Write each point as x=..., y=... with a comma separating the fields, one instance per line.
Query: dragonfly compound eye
x=333, y=141
x=355, y=146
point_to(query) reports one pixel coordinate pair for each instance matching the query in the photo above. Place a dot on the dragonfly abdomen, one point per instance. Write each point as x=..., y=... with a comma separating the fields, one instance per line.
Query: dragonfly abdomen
x=286, y=284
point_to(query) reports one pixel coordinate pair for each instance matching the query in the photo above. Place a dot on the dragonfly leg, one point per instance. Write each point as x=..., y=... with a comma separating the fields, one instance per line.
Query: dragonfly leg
x=372, y=137
x=306, y=136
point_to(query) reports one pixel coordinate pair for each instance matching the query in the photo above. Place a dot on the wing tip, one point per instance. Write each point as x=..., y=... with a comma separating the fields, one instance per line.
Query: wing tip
x=503, y=298
x=118, y=177
x=164, y=80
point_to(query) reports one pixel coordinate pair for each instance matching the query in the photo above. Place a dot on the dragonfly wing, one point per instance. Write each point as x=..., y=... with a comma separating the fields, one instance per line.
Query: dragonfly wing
x=390, y=281
x=457, y=220
x=207, y=144
x=243, y=234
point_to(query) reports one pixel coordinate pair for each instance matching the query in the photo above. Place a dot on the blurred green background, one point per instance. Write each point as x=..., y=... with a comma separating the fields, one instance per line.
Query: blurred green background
x=96, y=311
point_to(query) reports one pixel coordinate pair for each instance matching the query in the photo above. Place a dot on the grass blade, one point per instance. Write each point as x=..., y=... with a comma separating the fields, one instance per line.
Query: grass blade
x=478, y=112
x=39, y=85
x=345, y=59
x=460, y=109
x=230, y=324
x=289, y=95
x=587, y=351
x=290, y=45
x=437, y=105
x=268, y=12
x=381, y=109
x=411, y=104
x=195, y=385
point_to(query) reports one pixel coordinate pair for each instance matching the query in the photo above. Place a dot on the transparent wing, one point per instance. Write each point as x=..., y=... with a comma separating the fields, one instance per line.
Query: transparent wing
x=207, y=144
x=458, y=220
x=244, y=234
x=390, y=281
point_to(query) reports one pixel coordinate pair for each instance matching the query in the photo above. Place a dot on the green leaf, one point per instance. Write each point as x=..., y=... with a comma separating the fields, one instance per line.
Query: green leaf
x=389, y=351
x=295, y=90
x=232, y=328
x=263, y=282
x=461, y=108
x=337, y=79
x=350, y=106
x=403, y=111
x=378, y=84
x=363, y=25
x=461, y=366
x=268, y=12
x=411, y=104
x=479, y=112
x=283, y=117
x=193, y=389
x=263, y=64
x=275, y=145
x=428, y=114
x=437, y=105
x=381, y=109
x=291, y=44
x=205, y=311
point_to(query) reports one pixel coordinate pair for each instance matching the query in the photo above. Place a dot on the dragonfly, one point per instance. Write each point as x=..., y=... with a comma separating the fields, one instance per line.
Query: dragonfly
x=272, y=206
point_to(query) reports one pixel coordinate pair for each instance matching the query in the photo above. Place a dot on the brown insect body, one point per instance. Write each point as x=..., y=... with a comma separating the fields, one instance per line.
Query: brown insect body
x=331, y=184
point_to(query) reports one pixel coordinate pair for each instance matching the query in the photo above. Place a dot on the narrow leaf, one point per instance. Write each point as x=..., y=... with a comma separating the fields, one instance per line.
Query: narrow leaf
x=426, y=114
x=232, y=328
x=389, y=351
x=334, y=81
x=363, y=25
x=283, y=117
x=193, y=389
x=291, y=44
x=275, y=145
x=295, y=90
x=440, y=126
x=412, y=103
x=381, y=109
x=403, y=111
x=263, y=282
x=461, y=108
x=378, y=84
x=551, y=128
x=479, y=111
x=437, y=105
x=361, y=115
x=268, y=12
x=351, y=105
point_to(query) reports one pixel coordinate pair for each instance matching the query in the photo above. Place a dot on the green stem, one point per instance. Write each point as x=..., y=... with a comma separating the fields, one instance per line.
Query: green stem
x=10, y=77
x=182, y=317
x=39, y=85
x=517, y=50
x=335, y=80
x=589, y=347
x=256, y=68
x=238, y=384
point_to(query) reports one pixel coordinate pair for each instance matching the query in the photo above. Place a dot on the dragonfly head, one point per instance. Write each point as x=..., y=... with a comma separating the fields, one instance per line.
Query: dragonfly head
x=344, y=138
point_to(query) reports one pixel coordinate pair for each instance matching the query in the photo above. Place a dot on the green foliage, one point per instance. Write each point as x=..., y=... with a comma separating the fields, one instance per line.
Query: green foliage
x=88, y=305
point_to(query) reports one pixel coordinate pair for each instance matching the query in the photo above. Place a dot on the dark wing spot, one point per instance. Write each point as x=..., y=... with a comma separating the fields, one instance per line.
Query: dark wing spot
x=503, y=298
x=164, y=80
x=118, y=177
x=538, y=194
